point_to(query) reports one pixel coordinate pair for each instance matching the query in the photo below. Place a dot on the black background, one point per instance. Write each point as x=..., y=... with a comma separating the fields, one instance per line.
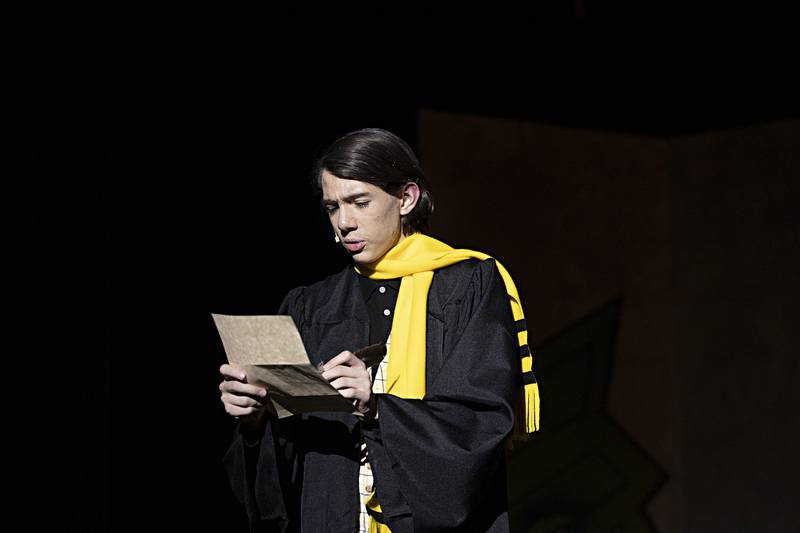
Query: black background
x=218, y=115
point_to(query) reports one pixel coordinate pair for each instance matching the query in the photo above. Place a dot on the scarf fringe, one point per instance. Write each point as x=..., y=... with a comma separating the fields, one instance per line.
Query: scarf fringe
x=532, y=407
x=526, y=414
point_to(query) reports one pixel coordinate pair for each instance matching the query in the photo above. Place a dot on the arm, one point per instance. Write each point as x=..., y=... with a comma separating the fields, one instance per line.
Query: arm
x=444, y=454
x=262, y=463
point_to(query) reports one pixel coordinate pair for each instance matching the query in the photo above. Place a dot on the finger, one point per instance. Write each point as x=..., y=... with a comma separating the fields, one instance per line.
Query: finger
x=237, y=387
x=350, y=383
x=349, y=393
x=338, y=359
x=233, y=410
x=342, y=370
x=232, y=372
x=355, y=394
x=239, y=401
x=346, y=358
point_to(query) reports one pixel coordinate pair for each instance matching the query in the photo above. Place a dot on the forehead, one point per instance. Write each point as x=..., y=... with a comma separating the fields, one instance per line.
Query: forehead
x=333, y=187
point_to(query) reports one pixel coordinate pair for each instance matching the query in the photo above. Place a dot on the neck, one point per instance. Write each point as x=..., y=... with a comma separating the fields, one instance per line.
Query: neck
x=399, y=240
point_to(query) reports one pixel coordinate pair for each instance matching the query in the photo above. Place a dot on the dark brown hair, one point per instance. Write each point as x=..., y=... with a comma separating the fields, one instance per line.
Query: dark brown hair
x=379, y=157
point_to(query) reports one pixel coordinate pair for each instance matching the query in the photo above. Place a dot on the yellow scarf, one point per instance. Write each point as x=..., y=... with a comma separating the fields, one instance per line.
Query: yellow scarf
x=414, y=259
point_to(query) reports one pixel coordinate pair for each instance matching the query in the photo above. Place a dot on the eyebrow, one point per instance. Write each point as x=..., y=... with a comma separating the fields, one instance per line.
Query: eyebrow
x=348, y=199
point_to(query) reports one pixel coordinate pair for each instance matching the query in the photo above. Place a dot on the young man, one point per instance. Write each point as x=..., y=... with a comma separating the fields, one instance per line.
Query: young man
x=428, y=453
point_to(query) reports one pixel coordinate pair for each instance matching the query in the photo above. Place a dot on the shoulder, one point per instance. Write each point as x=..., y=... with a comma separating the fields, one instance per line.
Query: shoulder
x=468, y=278
x=329, y=285
x=315, y=295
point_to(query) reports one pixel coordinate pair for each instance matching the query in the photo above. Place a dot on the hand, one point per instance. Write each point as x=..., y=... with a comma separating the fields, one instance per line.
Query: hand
x=348, y=374
x=241, y=401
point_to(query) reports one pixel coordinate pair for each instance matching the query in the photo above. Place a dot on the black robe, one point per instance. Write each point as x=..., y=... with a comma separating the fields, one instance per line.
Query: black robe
x=439, y=462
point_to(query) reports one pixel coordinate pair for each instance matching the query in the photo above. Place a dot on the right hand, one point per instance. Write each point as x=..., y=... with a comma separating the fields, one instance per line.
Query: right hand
x=241, y=401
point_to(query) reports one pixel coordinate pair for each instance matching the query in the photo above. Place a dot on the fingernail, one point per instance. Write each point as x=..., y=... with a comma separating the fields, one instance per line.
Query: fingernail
x=241, y=376
x=263, y=392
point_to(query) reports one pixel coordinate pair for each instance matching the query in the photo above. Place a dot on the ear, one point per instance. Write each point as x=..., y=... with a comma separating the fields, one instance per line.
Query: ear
x=410, y=198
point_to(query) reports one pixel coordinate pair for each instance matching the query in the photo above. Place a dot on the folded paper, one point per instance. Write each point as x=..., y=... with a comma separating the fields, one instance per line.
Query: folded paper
x=271, y=352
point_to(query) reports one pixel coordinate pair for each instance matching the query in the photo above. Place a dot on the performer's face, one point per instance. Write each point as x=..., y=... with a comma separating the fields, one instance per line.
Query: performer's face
x=365, y=217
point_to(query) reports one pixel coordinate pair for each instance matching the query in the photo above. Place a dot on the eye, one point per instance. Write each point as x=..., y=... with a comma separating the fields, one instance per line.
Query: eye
x=362, y=205
x=331, y=208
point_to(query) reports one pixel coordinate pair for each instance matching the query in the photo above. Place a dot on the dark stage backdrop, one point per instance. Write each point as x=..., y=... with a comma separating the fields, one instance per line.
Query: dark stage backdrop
x=206, y=208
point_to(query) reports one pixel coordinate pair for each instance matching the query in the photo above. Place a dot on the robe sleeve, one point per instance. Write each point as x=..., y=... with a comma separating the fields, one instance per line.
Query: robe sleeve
x=441, y=459
x=265, y=470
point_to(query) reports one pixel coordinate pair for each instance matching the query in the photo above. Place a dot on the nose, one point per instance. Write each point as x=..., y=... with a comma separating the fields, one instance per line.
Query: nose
x=346, y=221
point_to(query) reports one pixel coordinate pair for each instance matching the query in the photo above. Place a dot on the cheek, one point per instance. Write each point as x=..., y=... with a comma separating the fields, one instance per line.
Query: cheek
x=391, y=213
x=389, y=222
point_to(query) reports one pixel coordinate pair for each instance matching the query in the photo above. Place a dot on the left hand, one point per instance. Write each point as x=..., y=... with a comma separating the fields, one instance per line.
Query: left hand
x=348, y=374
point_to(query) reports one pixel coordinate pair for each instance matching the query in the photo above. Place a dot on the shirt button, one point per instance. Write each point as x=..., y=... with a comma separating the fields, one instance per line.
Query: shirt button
x=382, y=289
x=386, y=312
